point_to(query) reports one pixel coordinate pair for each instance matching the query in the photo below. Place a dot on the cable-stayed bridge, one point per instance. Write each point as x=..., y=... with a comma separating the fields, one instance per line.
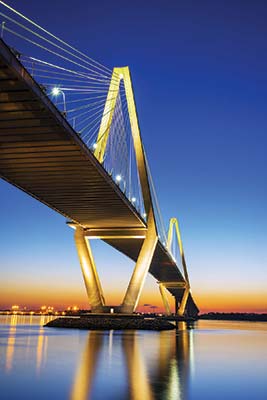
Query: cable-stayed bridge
x=70, y=137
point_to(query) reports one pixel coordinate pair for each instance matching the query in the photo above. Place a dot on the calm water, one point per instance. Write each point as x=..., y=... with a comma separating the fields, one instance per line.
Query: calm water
x=215, y=360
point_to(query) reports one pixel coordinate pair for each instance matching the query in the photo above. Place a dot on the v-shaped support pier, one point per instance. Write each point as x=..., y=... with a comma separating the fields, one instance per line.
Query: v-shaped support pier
x=90, y=275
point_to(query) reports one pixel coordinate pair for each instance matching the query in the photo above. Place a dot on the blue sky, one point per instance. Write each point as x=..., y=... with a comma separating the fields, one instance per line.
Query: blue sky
x=199, y=75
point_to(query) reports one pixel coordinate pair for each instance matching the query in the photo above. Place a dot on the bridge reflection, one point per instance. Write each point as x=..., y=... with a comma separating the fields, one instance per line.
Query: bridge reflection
x=37, y=343
x=115, y=365
x=163, y=372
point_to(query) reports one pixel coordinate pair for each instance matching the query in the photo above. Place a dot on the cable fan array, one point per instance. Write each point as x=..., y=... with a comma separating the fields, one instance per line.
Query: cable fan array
x=78, y=86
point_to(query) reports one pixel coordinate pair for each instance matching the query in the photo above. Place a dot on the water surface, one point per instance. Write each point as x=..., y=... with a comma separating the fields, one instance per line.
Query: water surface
x=215, y=360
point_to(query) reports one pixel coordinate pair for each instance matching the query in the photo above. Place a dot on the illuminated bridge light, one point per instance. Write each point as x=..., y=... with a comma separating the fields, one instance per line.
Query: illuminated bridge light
x=133, y=199
x=55, y=91
x=118, y=178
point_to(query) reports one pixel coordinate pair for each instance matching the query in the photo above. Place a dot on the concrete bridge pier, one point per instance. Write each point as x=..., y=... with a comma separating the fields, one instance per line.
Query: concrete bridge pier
x=166, y=304
x=90, y=275
x=141, y=269
x=182, y=307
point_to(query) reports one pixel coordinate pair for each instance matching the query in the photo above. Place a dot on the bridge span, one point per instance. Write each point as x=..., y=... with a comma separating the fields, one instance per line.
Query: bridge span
x=43, y=155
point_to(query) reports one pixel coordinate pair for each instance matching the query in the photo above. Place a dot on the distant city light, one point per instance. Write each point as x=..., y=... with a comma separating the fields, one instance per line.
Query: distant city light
x=73, y=308
x=118, y=178
x=15, y=307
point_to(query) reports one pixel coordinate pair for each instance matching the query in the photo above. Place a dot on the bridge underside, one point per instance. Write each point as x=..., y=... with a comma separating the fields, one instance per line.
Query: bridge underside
x=42, y=155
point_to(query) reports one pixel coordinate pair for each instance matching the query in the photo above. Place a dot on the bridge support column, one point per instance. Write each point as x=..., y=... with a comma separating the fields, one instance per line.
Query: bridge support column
x=90, y=276
x=181, y=309
x=162, y=290
x=142, y=266
x=176, y=306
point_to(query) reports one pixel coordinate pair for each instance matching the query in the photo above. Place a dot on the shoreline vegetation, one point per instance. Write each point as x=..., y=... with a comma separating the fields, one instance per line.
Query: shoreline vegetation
x=234, y=316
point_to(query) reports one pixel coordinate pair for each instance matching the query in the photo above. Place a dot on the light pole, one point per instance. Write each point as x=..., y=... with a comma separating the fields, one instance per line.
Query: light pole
x=2, y=29
x=55, y=92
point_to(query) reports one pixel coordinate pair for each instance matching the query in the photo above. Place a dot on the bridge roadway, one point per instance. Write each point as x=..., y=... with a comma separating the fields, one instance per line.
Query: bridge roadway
x=42, y=155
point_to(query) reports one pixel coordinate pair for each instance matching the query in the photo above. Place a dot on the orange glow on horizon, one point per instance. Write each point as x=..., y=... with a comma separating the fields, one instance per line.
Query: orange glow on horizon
x=61, y=297
x=238, y=301
x=207, y=303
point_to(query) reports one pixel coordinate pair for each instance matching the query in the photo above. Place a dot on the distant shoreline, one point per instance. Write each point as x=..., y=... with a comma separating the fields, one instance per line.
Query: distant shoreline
x=234, y=316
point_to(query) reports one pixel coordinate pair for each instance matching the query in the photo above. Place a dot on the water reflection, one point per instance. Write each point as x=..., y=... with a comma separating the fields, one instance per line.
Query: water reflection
x=87, y=367
x=162, y=373
x=215, y=360
x=12, y=337
x=175, y=364
x=11, y=342
x=137, y=372
x=42, y=344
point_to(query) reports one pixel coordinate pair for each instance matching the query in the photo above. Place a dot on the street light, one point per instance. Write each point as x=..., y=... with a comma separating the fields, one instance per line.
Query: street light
x=55, y=92
x=118, y=178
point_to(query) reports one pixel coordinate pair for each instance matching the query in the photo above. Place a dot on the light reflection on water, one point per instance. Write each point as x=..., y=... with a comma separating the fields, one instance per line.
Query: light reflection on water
x=13, y=321
x=216, y=360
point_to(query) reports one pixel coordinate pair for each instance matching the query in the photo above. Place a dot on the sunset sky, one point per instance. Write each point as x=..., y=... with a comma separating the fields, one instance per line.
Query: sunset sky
x=199, y=72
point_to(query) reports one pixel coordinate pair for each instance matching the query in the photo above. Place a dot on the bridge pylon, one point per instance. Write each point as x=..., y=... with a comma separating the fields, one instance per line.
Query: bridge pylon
x=149, y=234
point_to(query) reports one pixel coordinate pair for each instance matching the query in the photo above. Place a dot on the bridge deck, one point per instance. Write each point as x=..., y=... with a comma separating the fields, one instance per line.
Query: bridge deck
x=42, y=155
